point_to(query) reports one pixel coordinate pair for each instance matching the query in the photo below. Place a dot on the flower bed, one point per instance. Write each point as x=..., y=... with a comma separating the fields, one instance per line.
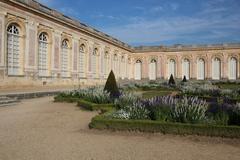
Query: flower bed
x=93, y=94
x=182, y=114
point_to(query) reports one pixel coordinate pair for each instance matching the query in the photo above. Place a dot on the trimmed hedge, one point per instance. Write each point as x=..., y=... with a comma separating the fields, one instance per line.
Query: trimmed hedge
x=93, y=106
x=65, y=99
x=99, y=122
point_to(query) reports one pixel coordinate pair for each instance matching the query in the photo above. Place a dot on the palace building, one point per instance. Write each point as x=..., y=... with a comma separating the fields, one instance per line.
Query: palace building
x=41, y=46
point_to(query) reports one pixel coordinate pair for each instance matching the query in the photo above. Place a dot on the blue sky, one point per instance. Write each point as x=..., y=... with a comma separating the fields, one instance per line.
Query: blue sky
x=158, y=22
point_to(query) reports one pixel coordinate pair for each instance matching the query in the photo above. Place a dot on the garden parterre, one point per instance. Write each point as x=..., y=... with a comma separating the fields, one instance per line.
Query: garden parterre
x=189, y=107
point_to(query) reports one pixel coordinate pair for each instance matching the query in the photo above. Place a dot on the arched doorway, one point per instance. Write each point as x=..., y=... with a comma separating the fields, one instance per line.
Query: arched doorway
x=186, y=68
x=138, y=70
x=153, y=70
x=200, y=69
x=216, y=69
x=171, y=68
x=232, y=68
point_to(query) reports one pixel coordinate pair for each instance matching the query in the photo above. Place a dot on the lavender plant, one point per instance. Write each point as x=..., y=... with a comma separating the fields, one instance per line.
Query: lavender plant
x=189, y=110
x=97, y=95
x=125, y=100
x=120, y=114
x=138, y=111
x=160, y=107
x=93, y=94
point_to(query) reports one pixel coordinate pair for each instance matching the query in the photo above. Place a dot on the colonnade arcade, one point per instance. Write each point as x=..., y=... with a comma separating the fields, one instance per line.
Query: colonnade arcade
x=200, y=68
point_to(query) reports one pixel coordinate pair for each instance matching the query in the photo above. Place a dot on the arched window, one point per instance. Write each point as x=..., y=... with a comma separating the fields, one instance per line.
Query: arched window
x=13, y=49
x=82, y=61
x=138, y=70
x=216, y=69
x=232, y=68
x=152, y=70
x=65, y=58
x=200, y=69
x=186, y=68
x=171, y=68
x=42, y=54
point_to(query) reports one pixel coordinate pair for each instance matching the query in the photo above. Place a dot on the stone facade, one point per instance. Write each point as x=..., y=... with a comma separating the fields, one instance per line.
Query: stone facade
x=40, y=46
x=227, y=54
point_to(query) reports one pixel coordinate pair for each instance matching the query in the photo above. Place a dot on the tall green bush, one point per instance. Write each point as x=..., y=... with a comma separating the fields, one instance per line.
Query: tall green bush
x=111, y=86
x=171, y=81
x=184, y=79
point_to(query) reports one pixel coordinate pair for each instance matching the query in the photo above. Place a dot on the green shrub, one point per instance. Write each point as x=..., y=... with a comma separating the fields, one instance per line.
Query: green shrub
x=93, y=106
x=111, y=86
x=221, y=118
x=171, y=81
x=234, y=115
x=65, y=97
x=161, y=113
x=184, y=79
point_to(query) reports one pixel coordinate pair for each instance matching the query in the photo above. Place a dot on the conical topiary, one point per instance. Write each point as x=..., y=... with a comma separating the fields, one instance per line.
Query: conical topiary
x=184, y=79
x=171, y=80
x=111, y=86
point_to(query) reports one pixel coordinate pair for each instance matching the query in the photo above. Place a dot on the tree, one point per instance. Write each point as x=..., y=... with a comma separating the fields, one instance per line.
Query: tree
x=171, y=80
x=111, y=86
x=184, y=79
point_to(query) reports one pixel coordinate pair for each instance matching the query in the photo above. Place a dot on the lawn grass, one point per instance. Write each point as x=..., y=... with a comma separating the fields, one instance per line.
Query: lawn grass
x=154, y=93
x=228, y=86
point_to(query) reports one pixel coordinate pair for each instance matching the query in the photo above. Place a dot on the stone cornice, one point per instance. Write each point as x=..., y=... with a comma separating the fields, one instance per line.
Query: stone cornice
x=41, y=10
x=57, y=17
x=179, y=48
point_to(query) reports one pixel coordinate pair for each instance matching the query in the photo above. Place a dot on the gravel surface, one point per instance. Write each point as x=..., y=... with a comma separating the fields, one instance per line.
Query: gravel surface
x=39, y=129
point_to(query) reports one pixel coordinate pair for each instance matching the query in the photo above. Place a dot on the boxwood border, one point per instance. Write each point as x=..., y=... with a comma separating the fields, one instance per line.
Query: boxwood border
x=93, y=106
x=100, y=122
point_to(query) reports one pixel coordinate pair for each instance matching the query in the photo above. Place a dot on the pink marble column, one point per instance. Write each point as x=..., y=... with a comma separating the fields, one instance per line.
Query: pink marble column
x=1, y=40
x=179, y=66
x=56, y=52
x=32, y=45
x=89, y=59
x=224, y=65
x=145, y=68
x=193, y=68
x=208, y=65
x=75, y=56
x=159, y=67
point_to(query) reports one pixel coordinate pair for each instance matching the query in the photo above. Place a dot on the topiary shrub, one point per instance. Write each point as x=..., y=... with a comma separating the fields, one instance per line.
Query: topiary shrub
x=111, y=86
x=184, y=79
x=171, y=80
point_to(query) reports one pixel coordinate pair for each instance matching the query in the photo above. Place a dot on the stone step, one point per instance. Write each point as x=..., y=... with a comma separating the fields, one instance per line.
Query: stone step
x=30, y=95
x=6, y=101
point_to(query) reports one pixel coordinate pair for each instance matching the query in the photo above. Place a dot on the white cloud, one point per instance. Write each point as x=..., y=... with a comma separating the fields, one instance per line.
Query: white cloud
x=102, y=16
x=164, y=29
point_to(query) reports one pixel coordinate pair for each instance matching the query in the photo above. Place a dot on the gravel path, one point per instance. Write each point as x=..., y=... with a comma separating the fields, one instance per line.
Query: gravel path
x=39, y=129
